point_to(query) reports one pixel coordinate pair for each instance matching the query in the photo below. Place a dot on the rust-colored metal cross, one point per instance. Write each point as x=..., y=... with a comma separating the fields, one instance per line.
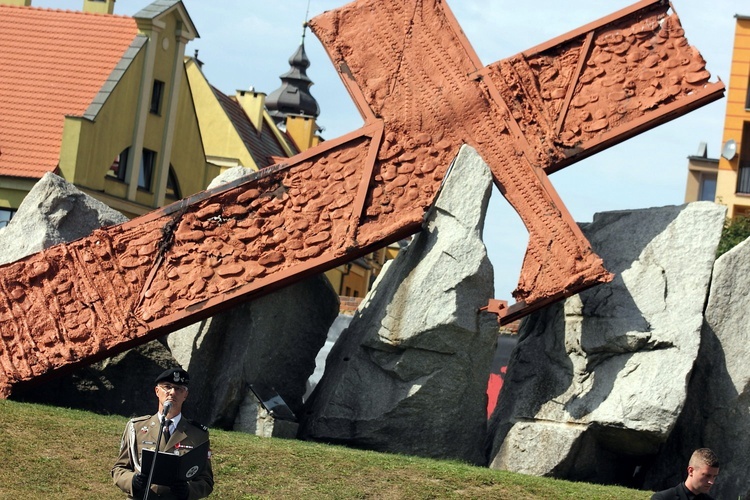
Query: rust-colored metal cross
x=423, y=93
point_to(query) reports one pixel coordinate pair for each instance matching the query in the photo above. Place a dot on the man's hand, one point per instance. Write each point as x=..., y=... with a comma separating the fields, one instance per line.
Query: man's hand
x=180, y=490
x=139, y=482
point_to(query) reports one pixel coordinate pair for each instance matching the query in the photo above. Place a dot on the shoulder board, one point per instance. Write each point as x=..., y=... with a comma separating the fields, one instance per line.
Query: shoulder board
x=138, y=419
x=197, y=424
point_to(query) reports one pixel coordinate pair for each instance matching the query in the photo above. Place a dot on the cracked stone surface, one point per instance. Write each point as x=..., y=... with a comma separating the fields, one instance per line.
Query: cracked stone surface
x=607, y=369
x=716, y=414
x=53, y=212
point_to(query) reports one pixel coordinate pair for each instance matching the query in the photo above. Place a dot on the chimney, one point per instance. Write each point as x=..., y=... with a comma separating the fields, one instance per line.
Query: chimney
x=253, y=103
x=99, y=6
x=302, y=130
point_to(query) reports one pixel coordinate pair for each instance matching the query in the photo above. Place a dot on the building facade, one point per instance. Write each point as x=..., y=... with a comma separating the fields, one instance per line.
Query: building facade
x=112, y=104
x=100, y=100
x=733, y=176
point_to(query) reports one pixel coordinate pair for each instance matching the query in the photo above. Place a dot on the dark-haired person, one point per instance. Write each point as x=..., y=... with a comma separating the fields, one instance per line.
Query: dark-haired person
x=703, y=469
x=183, y=435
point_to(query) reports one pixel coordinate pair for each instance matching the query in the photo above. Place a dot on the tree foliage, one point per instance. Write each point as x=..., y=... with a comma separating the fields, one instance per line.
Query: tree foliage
x=735, y=231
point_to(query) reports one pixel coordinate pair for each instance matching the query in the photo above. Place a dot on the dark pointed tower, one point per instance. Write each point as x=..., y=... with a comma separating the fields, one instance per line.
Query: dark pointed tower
x=293, y=97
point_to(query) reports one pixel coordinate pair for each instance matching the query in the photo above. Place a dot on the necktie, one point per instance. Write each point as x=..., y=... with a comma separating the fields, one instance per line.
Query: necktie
x=167, y=425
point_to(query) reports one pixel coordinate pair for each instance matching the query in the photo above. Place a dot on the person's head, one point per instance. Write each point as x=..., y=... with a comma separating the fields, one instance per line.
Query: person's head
x=172, y=385
x=702, y=470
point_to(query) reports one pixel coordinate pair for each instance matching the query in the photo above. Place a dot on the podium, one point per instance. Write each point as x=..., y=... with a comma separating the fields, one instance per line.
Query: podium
x=265, y=413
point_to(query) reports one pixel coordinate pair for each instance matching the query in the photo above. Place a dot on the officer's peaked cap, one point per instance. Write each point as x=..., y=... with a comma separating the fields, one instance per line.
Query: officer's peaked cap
x=174, y=376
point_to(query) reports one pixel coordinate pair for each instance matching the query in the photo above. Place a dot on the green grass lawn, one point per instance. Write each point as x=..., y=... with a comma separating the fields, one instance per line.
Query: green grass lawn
x=49, y=452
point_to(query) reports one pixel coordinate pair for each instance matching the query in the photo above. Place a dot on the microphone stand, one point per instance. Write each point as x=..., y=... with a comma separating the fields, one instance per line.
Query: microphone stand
x=156, y=454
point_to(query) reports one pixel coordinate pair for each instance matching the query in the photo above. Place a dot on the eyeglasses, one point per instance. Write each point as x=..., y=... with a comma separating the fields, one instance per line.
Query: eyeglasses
x=170, y=387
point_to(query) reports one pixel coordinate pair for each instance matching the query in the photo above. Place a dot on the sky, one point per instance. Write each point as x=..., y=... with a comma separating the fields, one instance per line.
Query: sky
x=247, y=43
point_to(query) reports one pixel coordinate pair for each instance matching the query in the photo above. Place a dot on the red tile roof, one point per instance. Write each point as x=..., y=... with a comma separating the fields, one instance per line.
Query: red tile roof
x=52, y=64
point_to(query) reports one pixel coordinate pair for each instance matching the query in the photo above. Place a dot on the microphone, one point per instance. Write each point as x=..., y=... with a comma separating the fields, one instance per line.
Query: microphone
x=166, y=407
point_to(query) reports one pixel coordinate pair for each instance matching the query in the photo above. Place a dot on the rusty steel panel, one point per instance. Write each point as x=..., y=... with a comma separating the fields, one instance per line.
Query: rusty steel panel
x=423, y=93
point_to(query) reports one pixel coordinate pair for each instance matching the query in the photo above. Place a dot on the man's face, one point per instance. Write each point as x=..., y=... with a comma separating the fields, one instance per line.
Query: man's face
x=701, y=478
x=175, y=393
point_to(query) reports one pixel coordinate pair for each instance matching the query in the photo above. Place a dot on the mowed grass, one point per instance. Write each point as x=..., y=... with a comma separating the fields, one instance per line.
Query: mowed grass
x=50, y=452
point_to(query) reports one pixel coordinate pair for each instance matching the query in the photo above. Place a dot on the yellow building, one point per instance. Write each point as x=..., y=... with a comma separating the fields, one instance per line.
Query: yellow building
x=107, y=120
x=133, y=123
x=355, y=278
x=733, y=179
x=237, y=131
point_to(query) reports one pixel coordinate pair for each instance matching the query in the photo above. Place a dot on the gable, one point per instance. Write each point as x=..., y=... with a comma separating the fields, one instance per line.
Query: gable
x=264, y=147
x=54, y=63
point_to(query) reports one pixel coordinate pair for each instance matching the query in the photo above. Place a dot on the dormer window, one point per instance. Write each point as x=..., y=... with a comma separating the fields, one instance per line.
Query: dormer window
x=156, y=97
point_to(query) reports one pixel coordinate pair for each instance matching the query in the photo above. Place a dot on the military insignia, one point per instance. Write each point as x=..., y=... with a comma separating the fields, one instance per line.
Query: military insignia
x=192, y=471
x=176, y=376
x=198, y=425
x=144, y=429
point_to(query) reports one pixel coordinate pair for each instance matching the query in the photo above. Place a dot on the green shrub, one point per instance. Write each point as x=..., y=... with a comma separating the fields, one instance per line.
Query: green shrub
x=735, y=231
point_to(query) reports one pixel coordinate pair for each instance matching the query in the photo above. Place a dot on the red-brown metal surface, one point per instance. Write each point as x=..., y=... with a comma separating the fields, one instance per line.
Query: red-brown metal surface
x=423, y=93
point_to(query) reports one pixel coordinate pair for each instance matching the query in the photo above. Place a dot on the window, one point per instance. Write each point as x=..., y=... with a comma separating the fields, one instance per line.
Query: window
x=145, y=173
x=743, y=178
x=6, y=214
x=148, y=159
x=173, y=188
x=743, y=173
x=156, y=96
x=119, y=165
x=707, y=188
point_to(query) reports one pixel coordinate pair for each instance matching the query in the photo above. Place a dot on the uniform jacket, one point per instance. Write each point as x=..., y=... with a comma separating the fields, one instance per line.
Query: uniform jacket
x=142, y=432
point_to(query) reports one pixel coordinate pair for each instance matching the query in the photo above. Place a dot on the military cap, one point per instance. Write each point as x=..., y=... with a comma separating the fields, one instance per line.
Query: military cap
x=174, y=376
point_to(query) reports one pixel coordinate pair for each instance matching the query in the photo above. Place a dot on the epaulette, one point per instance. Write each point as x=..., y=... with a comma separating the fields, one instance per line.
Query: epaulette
x=138, y=419
x=197, y=424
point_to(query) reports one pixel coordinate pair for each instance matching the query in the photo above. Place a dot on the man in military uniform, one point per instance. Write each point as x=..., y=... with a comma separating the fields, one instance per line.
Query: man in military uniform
x=179, y=436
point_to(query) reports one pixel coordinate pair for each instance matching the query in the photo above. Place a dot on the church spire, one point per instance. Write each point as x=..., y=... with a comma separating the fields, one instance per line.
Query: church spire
x=293, y=97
